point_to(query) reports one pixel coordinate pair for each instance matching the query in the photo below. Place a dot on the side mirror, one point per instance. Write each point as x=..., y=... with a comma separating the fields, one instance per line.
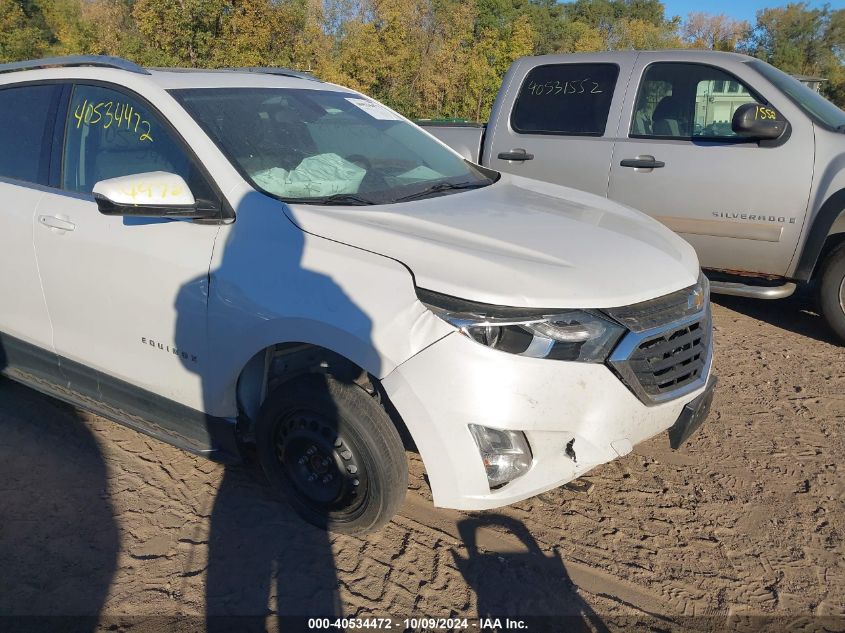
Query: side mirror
x=155, y=194
x=755, y=121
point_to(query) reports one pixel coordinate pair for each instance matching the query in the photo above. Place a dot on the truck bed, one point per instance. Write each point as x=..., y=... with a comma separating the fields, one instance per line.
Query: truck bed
x=464, y=137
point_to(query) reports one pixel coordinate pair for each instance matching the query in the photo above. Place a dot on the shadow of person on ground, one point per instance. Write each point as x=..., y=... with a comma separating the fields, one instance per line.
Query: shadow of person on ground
x=265, y=563
x=798, y=313
x=261, y=554
x=528, y=585
x=59, y=540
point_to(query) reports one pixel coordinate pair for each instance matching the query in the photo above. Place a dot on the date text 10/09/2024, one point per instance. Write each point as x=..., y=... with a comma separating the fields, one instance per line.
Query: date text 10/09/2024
x=415, y=624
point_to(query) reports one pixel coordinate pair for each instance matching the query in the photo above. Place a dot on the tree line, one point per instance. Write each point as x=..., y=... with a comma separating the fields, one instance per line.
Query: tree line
x=425, y=58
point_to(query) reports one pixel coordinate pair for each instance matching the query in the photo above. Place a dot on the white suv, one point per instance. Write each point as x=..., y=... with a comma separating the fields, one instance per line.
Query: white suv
x=228, y=258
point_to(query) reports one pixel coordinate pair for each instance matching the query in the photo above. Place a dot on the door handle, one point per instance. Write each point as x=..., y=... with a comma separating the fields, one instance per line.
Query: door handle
x=517, y=154
x=53, y=222
x=642, y=162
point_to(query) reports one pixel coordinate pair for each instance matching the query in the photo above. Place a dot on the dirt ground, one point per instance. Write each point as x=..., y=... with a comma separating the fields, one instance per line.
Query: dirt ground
x=747, y=519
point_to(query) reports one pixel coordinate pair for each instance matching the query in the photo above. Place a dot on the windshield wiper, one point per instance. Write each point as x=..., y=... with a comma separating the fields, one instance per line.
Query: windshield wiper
x=338, y=199
x=444, y=186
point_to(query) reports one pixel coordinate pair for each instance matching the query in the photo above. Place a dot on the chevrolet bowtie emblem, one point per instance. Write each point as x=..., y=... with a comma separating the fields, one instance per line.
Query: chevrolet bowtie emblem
x=695, y=300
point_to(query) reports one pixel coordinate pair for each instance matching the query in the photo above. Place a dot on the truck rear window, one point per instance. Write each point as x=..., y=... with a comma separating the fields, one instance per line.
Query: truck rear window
x=565, y=99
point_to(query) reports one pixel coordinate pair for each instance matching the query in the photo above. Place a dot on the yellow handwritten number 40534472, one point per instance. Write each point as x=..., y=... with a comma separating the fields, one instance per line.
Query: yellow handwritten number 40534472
x=109, y=113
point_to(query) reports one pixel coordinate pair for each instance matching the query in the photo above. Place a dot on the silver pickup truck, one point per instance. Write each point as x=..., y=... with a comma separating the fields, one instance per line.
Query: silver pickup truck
x=742, y=160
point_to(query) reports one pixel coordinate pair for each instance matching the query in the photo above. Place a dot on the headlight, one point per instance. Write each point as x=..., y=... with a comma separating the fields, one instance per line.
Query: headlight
x=578, y=335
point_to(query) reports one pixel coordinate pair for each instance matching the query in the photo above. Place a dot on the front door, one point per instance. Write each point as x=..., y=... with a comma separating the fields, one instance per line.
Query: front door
x=739, y=203
x=127, y=296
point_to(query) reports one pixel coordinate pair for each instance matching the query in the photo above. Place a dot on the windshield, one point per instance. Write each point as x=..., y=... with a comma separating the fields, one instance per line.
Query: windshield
x=816, y=106
x=327, y=147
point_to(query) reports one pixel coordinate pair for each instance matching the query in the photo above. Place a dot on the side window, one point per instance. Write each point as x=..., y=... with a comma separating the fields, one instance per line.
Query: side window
x=27, y=115
x=110, y=134
x=688, y=101
x=565, y=99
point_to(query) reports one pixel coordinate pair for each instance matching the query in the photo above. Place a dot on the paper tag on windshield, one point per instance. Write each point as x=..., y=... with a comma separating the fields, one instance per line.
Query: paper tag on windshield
x=375, y=110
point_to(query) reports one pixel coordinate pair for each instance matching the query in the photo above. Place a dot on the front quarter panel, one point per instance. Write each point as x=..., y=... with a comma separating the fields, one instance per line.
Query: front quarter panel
x=272, y=283
x=827, y=202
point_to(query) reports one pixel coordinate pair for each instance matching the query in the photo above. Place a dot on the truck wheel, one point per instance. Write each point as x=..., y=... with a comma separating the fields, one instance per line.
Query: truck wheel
x=333, y=450
x=832, y=291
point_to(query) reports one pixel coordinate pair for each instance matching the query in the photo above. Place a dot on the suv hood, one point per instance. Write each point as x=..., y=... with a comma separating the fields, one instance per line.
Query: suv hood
x=518, y=242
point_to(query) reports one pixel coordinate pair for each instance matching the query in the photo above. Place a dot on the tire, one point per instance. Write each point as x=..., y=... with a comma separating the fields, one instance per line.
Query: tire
x=832, y=291
x=334, y=452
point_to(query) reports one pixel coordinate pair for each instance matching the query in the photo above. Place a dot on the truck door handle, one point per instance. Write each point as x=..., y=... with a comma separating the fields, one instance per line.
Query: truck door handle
x=517, y=154
x=53, y=222
x=643, y=162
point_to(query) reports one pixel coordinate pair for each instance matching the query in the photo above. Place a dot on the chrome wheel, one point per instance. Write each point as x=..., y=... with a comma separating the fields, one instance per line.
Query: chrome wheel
x=831, y=289
x=842, y=295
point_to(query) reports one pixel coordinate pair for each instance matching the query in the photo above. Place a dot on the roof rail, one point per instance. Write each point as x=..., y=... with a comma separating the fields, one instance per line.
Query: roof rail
x=270, y=70
x=100, y=61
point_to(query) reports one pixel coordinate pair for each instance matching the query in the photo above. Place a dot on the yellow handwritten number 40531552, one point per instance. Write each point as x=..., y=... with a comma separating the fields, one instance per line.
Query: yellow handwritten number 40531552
x=108, y=113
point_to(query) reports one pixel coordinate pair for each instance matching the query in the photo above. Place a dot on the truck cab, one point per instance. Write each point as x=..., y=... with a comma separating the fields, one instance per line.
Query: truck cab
x=657, y=131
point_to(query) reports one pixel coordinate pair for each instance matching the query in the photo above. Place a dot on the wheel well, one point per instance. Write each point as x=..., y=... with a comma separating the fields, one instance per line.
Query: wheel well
x=828, y=223
x=832, y=242
x=280, y=363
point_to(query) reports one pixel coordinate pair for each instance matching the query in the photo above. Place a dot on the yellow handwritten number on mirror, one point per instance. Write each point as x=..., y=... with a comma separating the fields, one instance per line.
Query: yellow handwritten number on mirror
x=765, y=113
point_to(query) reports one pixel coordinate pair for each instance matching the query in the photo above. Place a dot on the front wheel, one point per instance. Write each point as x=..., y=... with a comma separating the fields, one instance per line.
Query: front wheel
x=832, y=291
x=334, y=451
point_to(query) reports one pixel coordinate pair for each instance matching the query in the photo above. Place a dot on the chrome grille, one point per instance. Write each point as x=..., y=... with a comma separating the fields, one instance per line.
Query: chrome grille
x=672, y=356
x=659, y=311
x=672, y=360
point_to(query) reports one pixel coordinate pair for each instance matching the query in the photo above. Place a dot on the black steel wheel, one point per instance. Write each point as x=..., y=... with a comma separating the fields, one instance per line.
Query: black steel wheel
x=335, y=453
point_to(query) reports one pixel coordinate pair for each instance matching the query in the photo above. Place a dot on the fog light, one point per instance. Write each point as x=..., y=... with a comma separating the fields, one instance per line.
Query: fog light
x=505, y=454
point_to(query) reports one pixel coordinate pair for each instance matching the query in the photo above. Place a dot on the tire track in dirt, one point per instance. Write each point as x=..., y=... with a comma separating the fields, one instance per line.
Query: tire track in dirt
x=587, y=578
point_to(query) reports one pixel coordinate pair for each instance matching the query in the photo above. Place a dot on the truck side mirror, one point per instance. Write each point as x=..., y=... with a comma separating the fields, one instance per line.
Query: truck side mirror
x=756, y=121
x=155, y=194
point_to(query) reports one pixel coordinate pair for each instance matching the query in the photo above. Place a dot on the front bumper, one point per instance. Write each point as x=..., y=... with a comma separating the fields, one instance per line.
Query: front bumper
x=692, y=416
x=457, y=382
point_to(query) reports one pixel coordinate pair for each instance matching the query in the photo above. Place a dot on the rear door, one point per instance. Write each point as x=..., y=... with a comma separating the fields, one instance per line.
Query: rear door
x=739, y=203
x=556, y=120
x=27, y=113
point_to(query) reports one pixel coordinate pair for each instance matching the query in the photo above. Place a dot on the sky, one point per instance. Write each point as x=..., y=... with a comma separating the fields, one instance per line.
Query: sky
x=737, y=9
